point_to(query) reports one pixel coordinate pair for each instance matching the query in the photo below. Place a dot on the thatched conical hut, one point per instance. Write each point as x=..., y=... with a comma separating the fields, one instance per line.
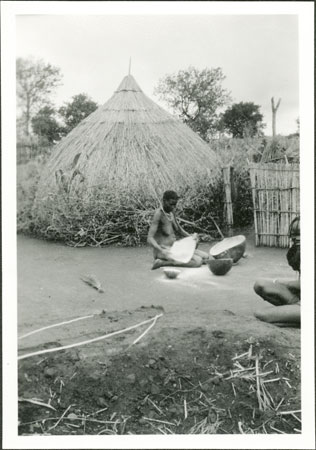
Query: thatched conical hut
x=120, y=158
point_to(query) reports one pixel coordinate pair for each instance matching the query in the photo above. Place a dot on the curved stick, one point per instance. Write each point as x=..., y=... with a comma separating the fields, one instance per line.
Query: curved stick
x=105, y=336
x=55, y=325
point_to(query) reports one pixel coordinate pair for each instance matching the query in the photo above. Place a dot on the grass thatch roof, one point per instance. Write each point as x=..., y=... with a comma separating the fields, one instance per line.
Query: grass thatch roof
x=130, y=143
x=105, y=176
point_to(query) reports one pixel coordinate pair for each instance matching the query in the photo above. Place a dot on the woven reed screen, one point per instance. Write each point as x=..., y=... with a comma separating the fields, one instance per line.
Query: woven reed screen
x=276, y=201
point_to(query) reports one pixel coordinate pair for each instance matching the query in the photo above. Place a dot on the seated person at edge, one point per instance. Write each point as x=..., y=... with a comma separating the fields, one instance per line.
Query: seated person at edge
x=285, y=295
x=162, y=234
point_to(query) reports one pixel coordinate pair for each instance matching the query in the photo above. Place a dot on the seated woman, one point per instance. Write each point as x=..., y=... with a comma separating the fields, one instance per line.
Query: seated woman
x=284, y=294
x=162, y=235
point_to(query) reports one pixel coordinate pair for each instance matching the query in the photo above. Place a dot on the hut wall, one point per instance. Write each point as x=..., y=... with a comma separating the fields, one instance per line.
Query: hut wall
x=276, y=201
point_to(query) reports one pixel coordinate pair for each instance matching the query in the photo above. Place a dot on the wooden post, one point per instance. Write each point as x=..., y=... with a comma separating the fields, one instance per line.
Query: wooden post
x=252, y=172
x=274, y=111
x=227, y=177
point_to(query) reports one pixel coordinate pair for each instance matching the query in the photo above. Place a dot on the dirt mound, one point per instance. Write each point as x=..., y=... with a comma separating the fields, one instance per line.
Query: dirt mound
x=190, y=381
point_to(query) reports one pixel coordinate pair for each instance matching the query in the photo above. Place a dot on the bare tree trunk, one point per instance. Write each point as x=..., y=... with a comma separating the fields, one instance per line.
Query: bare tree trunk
x=274, y=111
x=27, y=117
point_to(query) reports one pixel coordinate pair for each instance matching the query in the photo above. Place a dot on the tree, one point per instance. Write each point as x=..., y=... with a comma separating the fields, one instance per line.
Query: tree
x=46, y=126
x=75, y=111
x=242, y=120
x=35, y=82
x=196, y=96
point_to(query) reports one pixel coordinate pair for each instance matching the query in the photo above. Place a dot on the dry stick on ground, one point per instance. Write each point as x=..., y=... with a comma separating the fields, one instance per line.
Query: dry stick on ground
x=36, y=402
x=240, y=356
x=145, y=332
x=281, y=413
x=258, y=385
x=97, y=412
x=159, y=421
x=185, y=409
x=83, y=419
x=61, y=417
x=56, y=349
x=281, y=401
x=297, y=418
x=275, y=429
x=157, y=407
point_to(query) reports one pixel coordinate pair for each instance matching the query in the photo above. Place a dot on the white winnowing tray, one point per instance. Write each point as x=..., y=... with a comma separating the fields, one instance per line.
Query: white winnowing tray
x=182, y=250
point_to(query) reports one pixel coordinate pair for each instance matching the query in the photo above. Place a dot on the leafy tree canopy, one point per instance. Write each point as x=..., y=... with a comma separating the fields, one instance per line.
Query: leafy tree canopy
x=46, y=126
x=242, y=120
x=196, y=96
x=35, y=83
x=73, y=112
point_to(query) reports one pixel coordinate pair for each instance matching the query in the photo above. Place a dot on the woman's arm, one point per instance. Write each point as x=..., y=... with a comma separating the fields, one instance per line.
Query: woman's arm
x=152, y=233
x=153, y=230
x=178, y=227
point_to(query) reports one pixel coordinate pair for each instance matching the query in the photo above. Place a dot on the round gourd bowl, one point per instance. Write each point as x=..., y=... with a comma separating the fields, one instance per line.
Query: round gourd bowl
x=220, y=266
x=232, y=247
x=171, y=273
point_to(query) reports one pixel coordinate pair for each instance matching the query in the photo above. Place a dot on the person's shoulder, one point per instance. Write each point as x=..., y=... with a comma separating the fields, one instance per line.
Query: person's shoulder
x=158, y=213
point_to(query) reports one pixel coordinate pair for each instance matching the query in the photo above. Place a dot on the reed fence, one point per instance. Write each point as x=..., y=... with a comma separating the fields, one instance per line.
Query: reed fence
x=276, y=201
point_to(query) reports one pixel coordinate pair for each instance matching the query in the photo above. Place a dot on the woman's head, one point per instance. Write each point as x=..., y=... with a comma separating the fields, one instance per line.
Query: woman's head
x=295, y=230
x=170, y=200
x=294, y=253
x=294, y=257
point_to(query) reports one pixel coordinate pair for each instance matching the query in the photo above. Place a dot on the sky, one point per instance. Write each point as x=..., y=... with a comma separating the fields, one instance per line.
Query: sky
x=257, y=53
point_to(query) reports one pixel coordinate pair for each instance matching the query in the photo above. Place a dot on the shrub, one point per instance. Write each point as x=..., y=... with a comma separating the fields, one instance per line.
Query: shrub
x=27, y=178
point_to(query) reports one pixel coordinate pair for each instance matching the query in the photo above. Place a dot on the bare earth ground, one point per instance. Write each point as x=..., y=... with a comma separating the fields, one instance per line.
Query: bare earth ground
x=181, y=376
